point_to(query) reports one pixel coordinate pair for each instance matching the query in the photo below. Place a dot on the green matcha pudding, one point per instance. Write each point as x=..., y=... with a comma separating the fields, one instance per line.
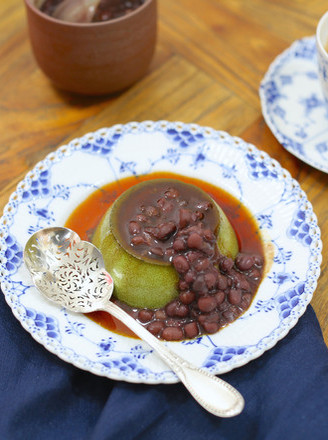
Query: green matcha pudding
x=156, y=231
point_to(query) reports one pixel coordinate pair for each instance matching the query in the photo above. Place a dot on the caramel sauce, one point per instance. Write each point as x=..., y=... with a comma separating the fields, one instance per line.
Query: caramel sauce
x=86, y=217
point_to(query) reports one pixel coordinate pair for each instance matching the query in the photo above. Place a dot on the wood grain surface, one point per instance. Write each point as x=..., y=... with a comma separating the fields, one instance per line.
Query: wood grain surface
x=210, y=58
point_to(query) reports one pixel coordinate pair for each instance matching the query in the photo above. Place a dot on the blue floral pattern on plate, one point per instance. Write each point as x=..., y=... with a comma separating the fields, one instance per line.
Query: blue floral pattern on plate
x=293, y=104
x=55, y=186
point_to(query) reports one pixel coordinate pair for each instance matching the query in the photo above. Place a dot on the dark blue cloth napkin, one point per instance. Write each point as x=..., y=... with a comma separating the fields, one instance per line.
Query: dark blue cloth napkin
x=42, y=397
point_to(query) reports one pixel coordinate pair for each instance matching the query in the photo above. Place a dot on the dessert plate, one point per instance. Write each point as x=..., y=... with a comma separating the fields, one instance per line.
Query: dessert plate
x=293, y=104
x=50, y=192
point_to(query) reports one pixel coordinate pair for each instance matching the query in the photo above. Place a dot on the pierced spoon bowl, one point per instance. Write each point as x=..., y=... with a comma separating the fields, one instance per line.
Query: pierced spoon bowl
x=71, y=273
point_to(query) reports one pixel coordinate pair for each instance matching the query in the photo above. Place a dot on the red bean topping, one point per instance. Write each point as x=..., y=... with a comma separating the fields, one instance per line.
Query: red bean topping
x=246, y=300
x=207, y=303
x=202, y=265
x=213, y=289
x=180, y=263
x=137, y=240
x=183, y=285
x=179, y=245
x=187, y=296
x=208, y=235
x=134, y=228
x=145, y=315
x=222, y=282
x=244, y=261
x=254, y=274
x=226, y=264
x=191, y=330
x=165, y=205
x=229, y=315
x=195, y=241
x=184, y=217
x=141, y=218
x=211, y=279
x=152, y=211
x=193, y=256
x=199, y=285
x=234, y=296
x=160, y=314
x=211, y=327
x=155, y=327
x=169, y=253
x=219, y=296
x=175, y=308
x=190, y=276
x=156, y=251
x=165, y=230
x=172, y=334
x=171, y=193
x=204, y=206
x=258, y=260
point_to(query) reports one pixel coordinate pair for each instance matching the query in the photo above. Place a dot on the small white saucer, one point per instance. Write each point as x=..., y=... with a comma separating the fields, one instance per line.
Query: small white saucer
x=293, y=105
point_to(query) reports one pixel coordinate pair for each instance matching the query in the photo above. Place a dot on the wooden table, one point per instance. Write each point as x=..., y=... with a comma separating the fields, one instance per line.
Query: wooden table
x=210, y=58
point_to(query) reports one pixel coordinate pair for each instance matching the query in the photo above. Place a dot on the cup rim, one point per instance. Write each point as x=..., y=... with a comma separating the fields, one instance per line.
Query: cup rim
x=322, y=20
x=30, y=4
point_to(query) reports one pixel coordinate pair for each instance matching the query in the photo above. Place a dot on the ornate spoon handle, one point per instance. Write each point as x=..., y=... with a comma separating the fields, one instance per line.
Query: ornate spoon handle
x=212, y=393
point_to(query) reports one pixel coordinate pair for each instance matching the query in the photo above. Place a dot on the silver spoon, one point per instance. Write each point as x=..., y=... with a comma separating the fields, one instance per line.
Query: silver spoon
x=71, y=273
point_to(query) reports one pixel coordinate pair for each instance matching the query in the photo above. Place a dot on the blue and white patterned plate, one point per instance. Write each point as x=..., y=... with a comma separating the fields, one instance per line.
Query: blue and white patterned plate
x=293, y=104
x=50, y=192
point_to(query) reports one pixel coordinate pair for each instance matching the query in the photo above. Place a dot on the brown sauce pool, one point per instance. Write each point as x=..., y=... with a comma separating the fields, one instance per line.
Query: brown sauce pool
x=87, y=215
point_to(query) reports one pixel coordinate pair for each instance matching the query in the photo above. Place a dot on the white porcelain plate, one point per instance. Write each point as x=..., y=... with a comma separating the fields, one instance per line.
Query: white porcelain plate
x=293, y=105
x=50, y=192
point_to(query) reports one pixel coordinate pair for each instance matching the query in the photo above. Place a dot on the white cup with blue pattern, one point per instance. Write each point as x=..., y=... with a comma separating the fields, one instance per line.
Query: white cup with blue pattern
x=322, y=49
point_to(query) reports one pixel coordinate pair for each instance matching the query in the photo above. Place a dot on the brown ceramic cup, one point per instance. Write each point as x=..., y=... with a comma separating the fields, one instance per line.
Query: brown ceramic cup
x=94, y=58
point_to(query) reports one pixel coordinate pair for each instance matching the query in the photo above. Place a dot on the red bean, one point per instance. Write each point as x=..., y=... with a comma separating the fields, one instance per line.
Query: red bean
x=199, y=285
x=165, y=205
x=184, y=217
x=152, y=211
x=141, y=218
x=155, y=327
x=137, y=240
x=172, y=334
x=219, y=296
x=190, y=276
x=229, y=315
x=165, y=230
x=234, y=296
x=206, y=303
x=176, y=309
x=195, y=241
x=258, y=260
x=134, y=228
x=180, y=263
x=183, y=285
x=222, y=282
x=244, y=261
x=226, y=264
x=179, y=245
x=202, y=264
x=145, y=315
x=204, y=206
x=246, y=300
x=208, y=235
x=211, y=327
x=191, y=330
x=160, y=314
x=187, y=297
x=171, y=193
x=254, y=274
x=157, y=251
x=211, y=279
